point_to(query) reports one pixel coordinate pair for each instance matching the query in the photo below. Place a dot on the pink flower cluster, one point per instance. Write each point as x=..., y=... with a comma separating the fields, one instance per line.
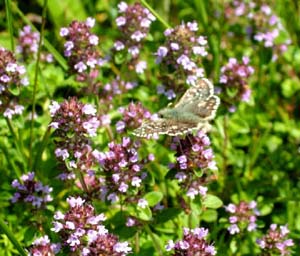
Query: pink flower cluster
x=193, y=153
x=81, y=49
x=114, y=88
x=133, y=115
x=234, y=79
x=122, y=170
x=242, y=215
x=74, y=122
x=193, y=243
x=28, y=42
x=276, y=241
x=31, y=191
x=12, y=75
x=183, y=51
x=82, y=231
x=42, y=246
x=264, y=27
x=134, y=23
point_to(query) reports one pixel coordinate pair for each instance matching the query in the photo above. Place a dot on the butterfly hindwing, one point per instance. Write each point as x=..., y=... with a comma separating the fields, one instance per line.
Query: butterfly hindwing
x=164, y=126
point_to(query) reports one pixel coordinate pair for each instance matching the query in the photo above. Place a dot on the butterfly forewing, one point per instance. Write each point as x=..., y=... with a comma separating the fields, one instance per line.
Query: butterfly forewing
x=201, y=91
x=205, y=109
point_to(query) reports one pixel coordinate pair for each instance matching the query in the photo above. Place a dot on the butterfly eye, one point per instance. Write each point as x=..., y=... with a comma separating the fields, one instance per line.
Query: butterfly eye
x=160, y=115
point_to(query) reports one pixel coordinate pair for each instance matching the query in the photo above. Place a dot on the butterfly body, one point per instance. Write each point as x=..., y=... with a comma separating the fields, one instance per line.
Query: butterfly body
x=196, y=107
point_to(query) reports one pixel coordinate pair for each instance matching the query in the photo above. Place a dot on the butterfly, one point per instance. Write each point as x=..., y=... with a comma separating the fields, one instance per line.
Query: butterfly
x=196, y=107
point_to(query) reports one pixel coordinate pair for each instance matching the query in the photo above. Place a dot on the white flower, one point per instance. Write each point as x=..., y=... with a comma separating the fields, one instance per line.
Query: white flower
x=122, y=7
x=64, y=32
x=142, y=203
x=122, y=247
x=121, y=21
x=140, y=67
x=170, y=246
x=53, y=107
x=89, y=109
x=90, y=22
x=137, y=36
x=73, y=202
x=93, y=39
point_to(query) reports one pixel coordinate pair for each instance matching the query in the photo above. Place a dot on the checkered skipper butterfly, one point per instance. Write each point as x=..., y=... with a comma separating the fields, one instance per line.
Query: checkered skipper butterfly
x=196, y=107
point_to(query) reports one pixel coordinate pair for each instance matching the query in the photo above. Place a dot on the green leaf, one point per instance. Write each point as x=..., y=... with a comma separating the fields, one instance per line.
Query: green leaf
x=5, y=230
x=239, y=125
x=168, y=214
x=120, y=57
x=144, y=214
x=273, y=142
x=153, y=198
x=266, y=209
x=211, y=201
x=193, y=220
x=15, y=90
x=210, y=215
x=289, y=87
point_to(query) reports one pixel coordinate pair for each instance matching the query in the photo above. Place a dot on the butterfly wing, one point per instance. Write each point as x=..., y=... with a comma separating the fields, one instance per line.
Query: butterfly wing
x=194, y=109
x=205, y=109
x=164, y=126
x=201, y=91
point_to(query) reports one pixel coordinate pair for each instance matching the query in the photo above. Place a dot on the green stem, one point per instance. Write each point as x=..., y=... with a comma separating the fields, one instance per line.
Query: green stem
x=15, y=139
x=5, y=230
x=225, y=145
x=36, y=81
x=213, y=40
x=9, y=23
x=82, y=182
x=155, y=14
x=137, y=243
x=202, y=13
x=155, y=242
x=11, y=163
x=41, y=149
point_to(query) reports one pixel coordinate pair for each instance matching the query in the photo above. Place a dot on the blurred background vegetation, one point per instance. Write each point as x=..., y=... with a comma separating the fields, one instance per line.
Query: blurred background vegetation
x=257, y=147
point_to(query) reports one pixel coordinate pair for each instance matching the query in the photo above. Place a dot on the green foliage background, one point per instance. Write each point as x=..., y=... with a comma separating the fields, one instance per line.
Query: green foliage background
x=256, y=148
